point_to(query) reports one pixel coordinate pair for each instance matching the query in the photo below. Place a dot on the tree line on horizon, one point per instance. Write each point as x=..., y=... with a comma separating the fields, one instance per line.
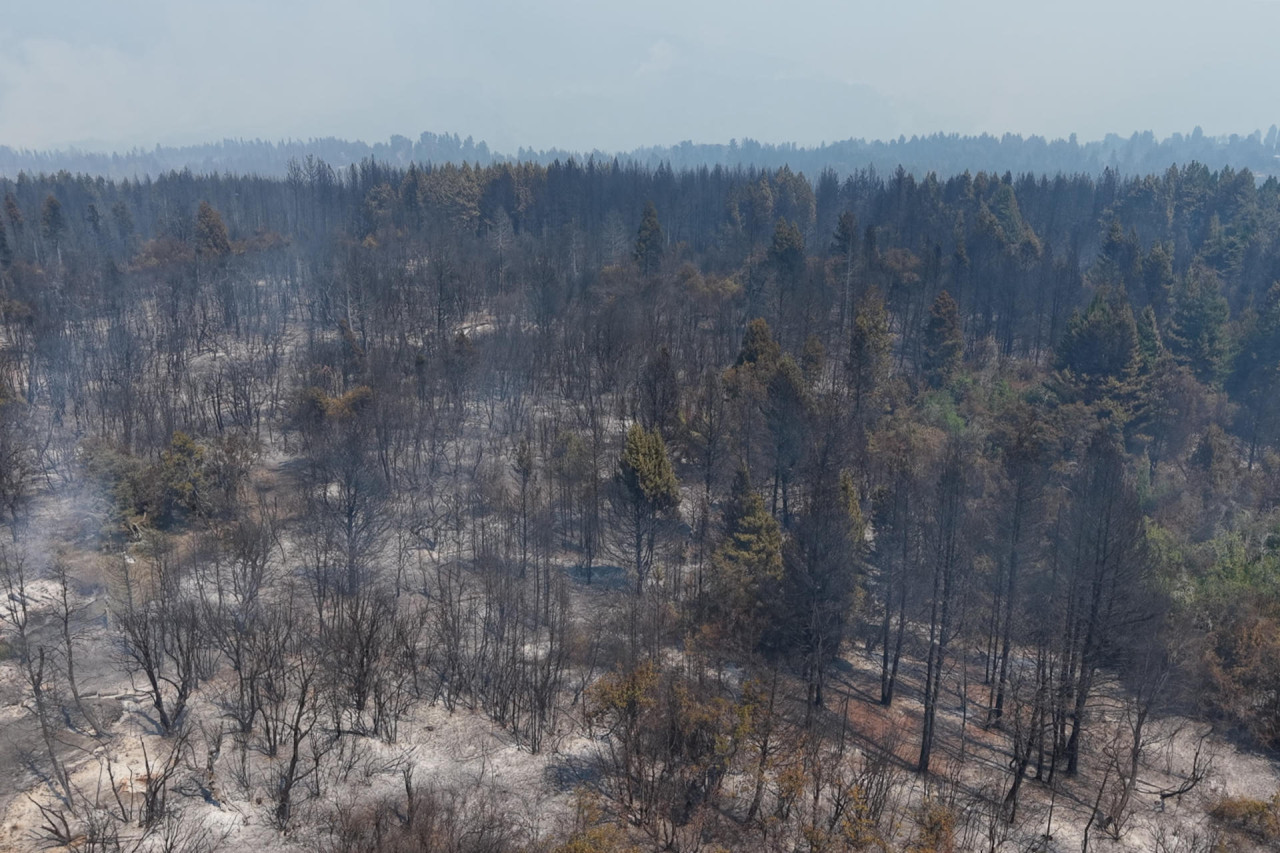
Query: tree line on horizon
x=945, y=154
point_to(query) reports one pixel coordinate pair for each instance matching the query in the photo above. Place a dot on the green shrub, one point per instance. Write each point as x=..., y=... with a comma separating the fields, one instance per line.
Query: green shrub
x=1258, y=819
x=164, y=492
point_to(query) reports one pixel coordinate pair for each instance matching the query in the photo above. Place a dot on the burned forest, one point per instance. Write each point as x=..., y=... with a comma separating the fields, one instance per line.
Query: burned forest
x=588, y=506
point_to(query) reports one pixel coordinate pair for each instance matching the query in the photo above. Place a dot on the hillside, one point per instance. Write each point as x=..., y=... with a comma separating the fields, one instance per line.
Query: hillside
x=594, y=506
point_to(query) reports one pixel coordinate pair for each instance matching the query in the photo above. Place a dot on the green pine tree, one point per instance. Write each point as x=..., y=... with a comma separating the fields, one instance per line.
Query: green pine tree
x=648, y=249
x=759, y=349
x=1150, y=345
x=52, y=221
x=1099, y=355
x=786, y=253
x=1198, y=335
x=747, y=565
x=211, y=232
x=867, y=368
x=1157, y=278
x=1255, y=377
x=943, y=342
x=14, y=212
x=648, y=492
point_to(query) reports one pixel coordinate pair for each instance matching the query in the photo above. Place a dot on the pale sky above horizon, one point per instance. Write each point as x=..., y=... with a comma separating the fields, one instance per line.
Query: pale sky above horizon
x=579, y=75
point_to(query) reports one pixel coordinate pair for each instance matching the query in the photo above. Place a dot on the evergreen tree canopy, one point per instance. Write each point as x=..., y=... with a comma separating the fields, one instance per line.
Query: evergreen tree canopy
x=1100, y=350
x=759, y=349
x=648, y=248
x=748, y=561
x=211, y=232
x=1157, y=278
x=943, y=342
x=1255, y=376
x=786, y=253
x=868, y=364
x=844, y=242
x=1198, y=335
x=52, y=222
x=646, y=472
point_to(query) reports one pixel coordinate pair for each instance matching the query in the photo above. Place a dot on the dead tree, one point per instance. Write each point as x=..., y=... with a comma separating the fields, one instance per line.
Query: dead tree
x=15, y=611
x=67, y=614
x=163, y=639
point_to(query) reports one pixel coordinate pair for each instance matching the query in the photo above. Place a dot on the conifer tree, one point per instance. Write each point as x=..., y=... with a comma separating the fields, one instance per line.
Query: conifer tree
x=786, y=253
x=53, y=224
x=1255, y=377
x=844, y=242
x=1150, y=344
x=1198, y=335
x=867, y=368
x=748, y=561
x=815, y=602
x=1099, y=354
x=211, y=232
x=844, y=247
x=648, y=249
x=1157, y=278
x=943, y=342
x=786, y=409
x=648, y=490
x=14, y=212
x=759, y=349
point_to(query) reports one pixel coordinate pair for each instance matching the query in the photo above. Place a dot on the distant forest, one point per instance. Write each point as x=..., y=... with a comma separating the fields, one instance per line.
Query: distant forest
x=943, y=154
x=1001, y=450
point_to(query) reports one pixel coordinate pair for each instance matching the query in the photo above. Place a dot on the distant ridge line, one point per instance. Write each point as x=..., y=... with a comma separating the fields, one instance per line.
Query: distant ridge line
x=943, y=153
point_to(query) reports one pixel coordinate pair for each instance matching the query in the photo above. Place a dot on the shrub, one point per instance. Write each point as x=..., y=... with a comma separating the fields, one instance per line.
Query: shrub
x=164, y=492
x=1258, y=819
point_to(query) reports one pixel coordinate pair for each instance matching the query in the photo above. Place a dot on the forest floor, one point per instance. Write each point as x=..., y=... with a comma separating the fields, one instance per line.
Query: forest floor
x=484, y=768
x=972, y=756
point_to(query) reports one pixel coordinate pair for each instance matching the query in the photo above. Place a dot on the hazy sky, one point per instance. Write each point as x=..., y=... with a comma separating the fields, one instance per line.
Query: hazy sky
x=584, y=74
